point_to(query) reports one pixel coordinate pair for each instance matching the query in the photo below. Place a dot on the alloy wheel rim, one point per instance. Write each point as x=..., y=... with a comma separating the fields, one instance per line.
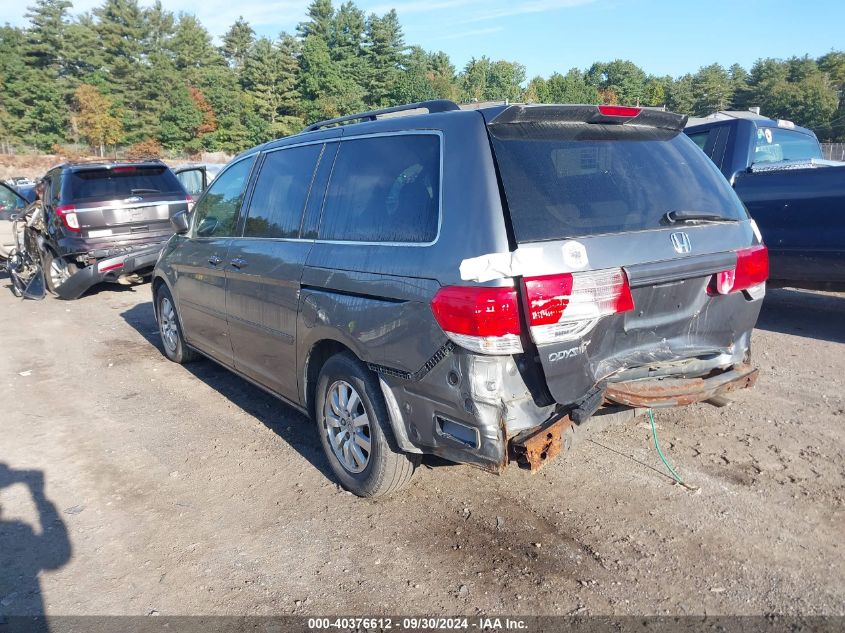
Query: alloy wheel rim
x=58, y=272
x=347, y=426
x=167, y=325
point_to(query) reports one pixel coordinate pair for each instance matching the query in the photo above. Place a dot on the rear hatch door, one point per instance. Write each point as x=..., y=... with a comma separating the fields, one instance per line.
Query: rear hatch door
x=125, y=200
x=615, y=275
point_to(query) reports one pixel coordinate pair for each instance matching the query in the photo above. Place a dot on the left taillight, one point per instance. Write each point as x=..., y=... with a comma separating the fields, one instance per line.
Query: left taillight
x=565, y=306
x=67, y=212
x=480, y=319
x=190, y=201
x=752, y=270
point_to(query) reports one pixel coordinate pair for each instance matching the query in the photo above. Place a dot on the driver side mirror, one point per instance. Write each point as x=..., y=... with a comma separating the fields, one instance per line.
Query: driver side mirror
x=180, y=221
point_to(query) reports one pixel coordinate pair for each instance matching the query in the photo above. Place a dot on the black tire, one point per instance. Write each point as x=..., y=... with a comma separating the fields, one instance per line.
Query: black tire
x=170, y=328
x=51, y=278
x=387, y=469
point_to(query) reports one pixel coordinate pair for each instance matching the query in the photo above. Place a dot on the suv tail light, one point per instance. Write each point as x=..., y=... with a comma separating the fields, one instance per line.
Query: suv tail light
x=566, y=306
x=67, y=212
x=483, y=320
x=752, y=269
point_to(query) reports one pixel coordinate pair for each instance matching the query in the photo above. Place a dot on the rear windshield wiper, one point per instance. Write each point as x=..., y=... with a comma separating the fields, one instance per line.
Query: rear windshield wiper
x=142, y=190
x=685, y=215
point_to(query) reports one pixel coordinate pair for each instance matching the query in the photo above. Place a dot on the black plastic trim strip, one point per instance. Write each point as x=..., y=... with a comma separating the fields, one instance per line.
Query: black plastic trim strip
x=418, y=375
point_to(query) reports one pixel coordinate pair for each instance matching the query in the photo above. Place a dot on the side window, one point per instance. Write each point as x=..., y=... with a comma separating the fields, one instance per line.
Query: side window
x=56, y=189
x=9, y=202
x=281, y=190
x=216, y=213
x=384, y=189
x=700, y=138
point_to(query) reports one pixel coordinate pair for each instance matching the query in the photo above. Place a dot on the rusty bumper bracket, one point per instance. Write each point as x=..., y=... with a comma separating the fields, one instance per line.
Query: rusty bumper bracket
x=535, y=448
x=676, y=392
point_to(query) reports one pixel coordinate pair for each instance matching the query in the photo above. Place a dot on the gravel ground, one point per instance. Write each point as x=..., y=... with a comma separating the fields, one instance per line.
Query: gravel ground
x=131, y=485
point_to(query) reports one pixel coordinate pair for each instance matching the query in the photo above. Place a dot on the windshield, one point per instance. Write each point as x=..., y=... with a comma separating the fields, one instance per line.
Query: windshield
x=775, y=144
x=560, y=188
x=123, y=182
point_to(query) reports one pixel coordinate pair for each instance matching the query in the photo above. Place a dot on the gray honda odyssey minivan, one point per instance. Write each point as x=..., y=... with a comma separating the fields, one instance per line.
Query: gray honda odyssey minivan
x=475, y=284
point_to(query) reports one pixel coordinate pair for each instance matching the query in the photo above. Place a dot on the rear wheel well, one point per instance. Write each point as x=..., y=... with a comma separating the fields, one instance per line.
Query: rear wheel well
x=317, y=357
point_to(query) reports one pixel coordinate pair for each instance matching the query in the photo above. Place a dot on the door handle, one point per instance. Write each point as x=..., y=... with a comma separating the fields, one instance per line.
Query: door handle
x=239, y=262
x=214, y=260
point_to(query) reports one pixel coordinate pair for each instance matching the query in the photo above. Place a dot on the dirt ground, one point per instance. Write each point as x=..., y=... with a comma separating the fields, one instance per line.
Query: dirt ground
x=185, y=490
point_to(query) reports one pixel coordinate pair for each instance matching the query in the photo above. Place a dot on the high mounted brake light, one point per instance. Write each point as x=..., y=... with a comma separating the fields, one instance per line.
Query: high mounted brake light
x=484, y=320
x=566, y=306
x=67, y=212
x=620, y=111
x=752, y=270
x=513, y=119
x=124, y=169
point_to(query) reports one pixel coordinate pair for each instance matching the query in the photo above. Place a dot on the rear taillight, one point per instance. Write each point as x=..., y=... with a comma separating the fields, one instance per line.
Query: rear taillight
x=67, y=212
x=190, y=202
x=484, y=320
x=752, y=270
x=566, y=306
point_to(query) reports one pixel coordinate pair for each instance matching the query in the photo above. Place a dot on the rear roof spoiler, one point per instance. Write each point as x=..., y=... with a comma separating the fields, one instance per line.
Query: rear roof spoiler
x=566, y=115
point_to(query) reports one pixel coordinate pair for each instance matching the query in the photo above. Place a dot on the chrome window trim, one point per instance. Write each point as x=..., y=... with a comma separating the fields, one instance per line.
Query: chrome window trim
x=122, y=206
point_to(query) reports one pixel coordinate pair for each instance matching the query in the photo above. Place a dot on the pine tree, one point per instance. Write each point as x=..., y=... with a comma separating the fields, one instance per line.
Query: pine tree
x=320, y=21
x=385, y=47
x=237, y=42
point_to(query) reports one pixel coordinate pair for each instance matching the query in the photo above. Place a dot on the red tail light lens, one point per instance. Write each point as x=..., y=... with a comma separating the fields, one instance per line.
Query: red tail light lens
x=564, y=307
x=613, y=110
x=752, y=269
x=484, y=320
x=67, y=213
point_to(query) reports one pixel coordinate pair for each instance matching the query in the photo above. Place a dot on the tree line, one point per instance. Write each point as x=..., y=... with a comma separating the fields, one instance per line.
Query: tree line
x=126, y=74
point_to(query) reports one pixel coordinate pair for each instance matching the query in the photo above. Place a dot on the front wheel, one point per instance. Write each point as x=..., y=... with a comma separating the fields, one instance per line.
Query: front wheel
x=355, y=430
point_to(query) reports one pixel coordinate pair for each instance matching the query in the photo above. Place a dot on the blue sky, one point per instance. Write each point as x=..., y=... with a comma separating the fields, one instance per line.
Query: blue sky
x=661, y=36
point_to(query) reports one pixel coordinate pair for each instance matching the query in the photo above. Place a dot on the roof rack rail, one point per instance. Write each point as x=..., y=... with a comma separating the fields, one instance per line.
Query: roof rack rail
x=434, y=105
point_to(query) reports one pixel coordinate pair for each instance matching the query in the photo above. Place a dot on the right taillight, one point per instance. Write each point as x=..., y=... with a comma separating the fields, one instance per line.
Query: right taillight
x=67, y=212
x=565, y=306
x=481, y=319
x=752, y=270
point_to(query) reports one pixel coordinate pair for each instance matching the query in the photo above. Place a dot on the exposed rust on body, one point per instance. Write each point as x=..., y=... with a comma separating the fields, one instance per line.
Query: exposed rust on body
x=535, y=450
x=676, y=392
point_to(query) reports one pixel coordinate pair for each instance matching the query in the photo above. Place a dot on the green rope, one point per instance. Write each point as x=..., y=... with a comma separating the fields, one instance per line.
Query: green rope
x=675, y=475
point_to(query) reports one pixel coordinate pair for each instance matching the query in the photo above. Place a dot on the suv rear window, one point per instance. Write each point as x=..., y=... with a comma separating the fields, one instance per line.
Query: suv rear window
x=384, y=189
x=123, y=182
x=560, y=188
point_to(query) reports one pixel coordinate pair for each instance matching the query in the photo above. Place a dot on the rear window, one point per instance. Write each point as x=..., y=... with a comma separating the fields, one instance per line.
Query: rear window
x=775, y=144
x=384, y=189
x=560, y=188
x=123, y=182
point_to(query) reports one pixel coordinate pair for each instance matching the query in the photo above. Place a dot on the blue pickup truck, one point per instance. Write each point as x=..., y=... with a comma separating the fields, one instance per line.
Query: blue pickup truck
x=795, y=196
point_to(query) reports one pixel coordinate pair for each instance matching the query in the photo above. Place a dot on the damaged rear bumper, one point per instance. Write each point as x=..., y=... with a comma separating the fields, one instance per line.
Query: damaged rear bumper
x=677, y=392
x=109, y=269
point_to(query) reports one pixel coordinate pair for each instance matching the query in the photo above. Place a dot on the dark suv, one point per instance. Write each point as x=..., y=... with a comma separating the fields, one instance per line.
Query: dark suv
x=104, y=221
x=472, y=284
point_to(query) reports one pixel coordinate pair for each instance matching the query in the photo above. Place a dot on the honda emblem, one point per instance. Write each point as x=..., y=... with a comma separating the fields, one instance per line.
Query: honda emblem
x=681, y=243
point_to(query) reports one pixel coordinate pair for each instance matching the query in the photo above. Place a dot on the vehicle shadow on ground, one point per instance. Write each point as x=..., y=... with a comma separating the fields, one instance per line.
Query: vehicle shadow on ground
x=285, y=421
x=804, y=313
x=26, y=551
